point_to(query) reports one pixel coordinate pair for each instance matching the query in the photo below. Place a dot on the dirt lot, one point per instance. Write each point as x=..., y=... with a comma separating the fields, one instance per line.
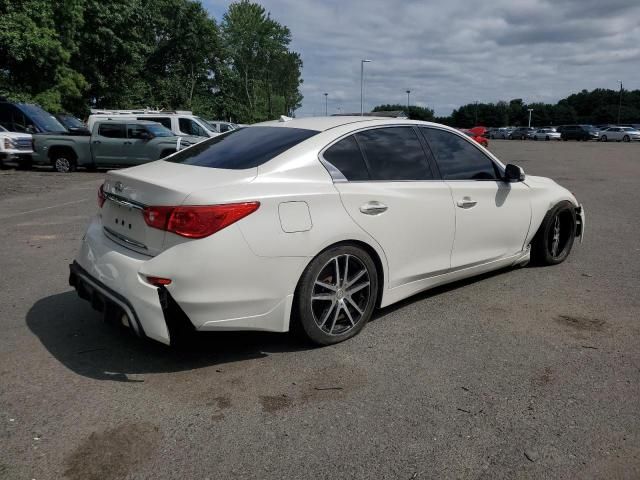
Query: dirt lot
x=527, y=373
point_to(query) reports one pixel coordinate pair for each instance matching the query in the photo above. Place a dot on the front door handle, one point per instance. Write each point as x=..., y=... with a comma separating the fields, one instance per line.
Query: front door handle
x=466, y=202
x=96, y=142
x=127, y=143
x=373, y=208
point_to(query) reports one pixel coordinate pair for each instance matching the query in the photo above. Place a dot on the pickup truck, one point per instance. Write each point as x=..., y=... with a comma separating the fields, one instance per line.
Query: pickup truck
x=15, y=147
x=112, y=143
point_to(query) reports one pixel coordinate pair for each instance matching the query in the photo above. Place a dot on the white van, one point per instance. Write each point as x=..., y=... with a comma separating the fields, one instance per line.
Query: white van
x=179, y=122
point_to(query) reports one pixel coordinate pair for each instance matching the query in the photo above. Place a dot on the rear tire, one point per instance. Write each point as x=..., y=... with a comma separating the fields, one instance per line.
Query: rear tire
x=552, y=243
x=336, y=295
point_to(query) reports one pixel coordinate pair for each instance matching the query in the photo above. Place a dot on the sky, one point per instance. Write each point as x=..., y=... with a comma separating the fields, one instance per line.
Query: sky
x=453, y=52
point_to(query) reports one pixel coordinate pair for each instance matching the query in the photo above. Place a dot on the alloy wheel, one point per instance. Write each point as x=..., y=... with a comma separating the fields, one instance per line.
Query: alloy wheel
x=559, y=234
x=63, y=165
x=341, y=294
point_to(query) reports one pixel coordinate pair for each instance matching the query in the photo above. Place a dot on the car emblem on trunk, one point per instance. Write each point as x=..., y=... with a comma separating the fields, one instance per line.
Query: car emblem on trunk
x=118, y=187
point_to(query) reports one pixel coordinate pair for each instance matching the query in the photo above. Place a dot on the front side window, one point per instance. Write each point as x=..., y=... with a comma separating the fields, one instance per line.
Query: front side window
x=136, y=131
x=190, y=127
x=112, y=130
x=394, y=153
x=242, y=148
x=346, y=156
x=457, y=158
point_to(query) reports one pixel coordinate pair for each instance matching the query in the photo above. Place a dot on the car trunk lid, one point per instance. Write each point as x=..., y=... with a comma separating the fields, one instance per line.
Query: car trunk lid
x=160, y=183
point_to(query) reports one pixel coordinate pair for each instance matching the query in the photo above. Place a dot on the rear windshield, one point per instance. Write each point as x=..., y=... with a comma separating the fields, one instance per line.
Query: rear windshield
x=243, y=148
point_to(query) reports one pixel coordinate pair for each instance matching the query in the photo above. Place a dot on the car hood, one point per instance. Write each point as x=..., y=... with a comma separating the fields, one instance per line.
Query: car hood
x=15, y=135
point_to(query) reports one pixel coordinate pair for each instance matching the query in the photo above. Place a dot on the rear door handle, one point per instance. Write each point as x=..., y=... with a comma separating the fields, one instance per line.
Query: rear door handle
x=127, y=143
x=373, y=208
x=466, y=202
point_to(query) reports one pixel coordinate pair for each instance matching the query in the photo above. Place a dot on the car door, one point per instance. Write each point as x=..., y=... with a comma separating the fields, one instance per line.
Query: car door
x=107, y=143
x=389, y=190
x=614, y=134
x=136, y=148
x=491, y=216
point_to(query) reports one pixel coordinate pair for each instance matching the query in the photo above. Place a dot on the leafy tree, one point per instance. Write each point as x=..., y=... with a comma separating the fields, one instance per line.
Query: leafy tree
x=414, y=112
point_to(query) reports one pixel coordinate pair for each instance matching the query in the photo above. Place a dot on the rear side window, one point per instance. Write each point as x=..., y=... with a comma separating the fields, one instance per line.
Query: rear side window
x=346, y=156
x=112, y=130
x=166, y=121
x=242, y=148
x=457, y=158
x=394, y=154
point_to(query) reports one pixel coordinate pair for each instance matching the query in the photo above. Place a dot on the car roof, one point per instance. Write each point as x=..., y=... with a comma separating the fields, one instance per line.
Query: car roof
x=127, y=120
x=322, y=124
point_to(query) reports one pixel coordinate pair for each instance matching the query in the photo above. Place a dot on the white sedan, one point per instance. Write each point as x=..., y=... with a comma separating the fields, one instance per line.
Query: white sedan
x=312, y=224
x=624, y=134
x=546, y=134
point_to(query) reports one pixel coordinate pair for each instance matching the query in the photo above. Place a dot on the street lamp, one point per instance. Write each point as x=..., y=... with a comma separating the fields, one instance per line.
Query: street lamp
x=529, y=110
x=362, y=62
x=408, y=103
x=476, y=115
x=326, y=114
x=620, y=102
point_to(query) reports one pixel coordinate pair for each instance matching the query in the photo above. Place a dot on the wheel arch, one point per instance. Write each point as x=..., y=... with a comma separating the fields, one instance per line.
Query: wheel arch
x=58, y=149
x=378, y=259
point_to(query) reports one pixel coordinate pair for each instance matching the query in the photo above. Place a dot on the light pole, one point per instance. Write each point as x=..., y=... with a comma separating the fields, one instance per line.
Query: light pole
x=620, y=102
x=408, y=102
x=326, y=114
x=529, y=110
x=362, y=62
x=476, y=121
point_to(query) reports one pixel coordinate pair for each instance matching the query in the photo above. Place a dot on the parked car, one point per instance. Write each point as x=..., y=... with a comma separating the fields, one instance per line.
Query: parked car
x=222, y=127
x=502, y=133
x=624, y=134
x=477, y=137
x=28, y=118
x=74, y=125
x=111, y=143
x=179, y=122
x=15, y=147
x=311, y=222
x=545, y=134
x=579, y=132
x=521, y=133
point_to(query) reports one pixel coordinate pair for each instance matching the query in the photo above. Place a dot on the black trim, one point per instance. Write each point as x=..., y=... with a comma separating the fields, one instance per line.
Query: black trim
x=98, y=300
x=178, y=323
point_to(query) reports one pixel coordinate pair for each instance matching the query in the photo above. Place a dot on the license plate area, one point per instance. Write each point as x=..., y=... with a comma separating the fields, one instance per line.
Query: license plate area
x=125, y=223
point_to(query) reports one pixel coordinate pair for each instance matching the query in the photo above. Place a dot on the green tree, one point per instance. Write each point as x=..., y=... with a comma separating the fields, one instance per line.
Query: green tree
x=414, y=112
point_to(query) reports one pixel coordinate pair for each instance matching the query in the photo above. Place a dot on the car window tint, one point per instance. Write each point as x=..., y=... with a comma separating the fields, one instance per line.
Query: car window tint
x=111, y=130
x=346, y=156
x=394, y=154
x=166, y=121
x=136, y=131
x=190, y=127
x=242, y=148
x=457, y=158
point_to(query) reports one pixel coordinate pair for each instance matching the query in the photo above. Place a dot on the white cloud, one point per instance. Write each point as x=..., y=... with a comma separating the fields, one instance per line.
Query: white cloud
x=451, y=52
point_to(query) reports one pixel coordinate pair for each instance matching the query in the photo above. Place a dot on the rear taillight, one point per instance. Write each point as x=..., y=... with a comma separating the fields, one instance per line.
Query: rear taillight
x=101, y=197
x=197, y=221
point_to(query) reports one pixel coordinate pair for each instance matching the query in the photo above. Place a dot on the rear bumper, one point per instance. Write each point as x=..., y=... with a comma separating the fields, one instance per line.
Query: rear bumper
x=218, y=283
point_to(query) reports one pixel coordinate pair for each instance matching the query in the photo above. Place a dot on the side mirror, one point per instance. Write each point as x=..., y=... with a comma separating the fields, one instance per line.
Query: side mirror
x=146, y=135
x=513, y=173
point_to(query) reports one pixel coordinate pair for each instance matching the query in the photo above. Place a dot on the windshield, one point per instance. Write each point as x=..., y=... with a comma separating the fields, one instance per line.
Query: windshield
x=70, y=121
x=42, y=119
x=160, y=130
x=242, y=148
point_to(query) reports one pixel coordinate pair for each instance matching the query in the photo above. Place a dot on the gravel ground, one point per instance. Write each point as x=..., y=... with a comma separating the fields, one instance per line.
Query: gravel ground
x=525, y=373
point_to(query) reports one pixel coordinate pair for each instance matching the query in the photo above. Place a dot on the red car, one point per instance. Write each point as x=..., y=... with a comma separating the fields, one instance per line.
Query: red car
x=476, y=134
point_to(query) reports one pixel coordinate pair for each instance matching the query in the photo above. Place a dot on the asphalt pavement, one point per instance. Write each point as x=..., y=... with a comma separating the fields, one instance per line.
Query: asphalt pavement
x=524, y=373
